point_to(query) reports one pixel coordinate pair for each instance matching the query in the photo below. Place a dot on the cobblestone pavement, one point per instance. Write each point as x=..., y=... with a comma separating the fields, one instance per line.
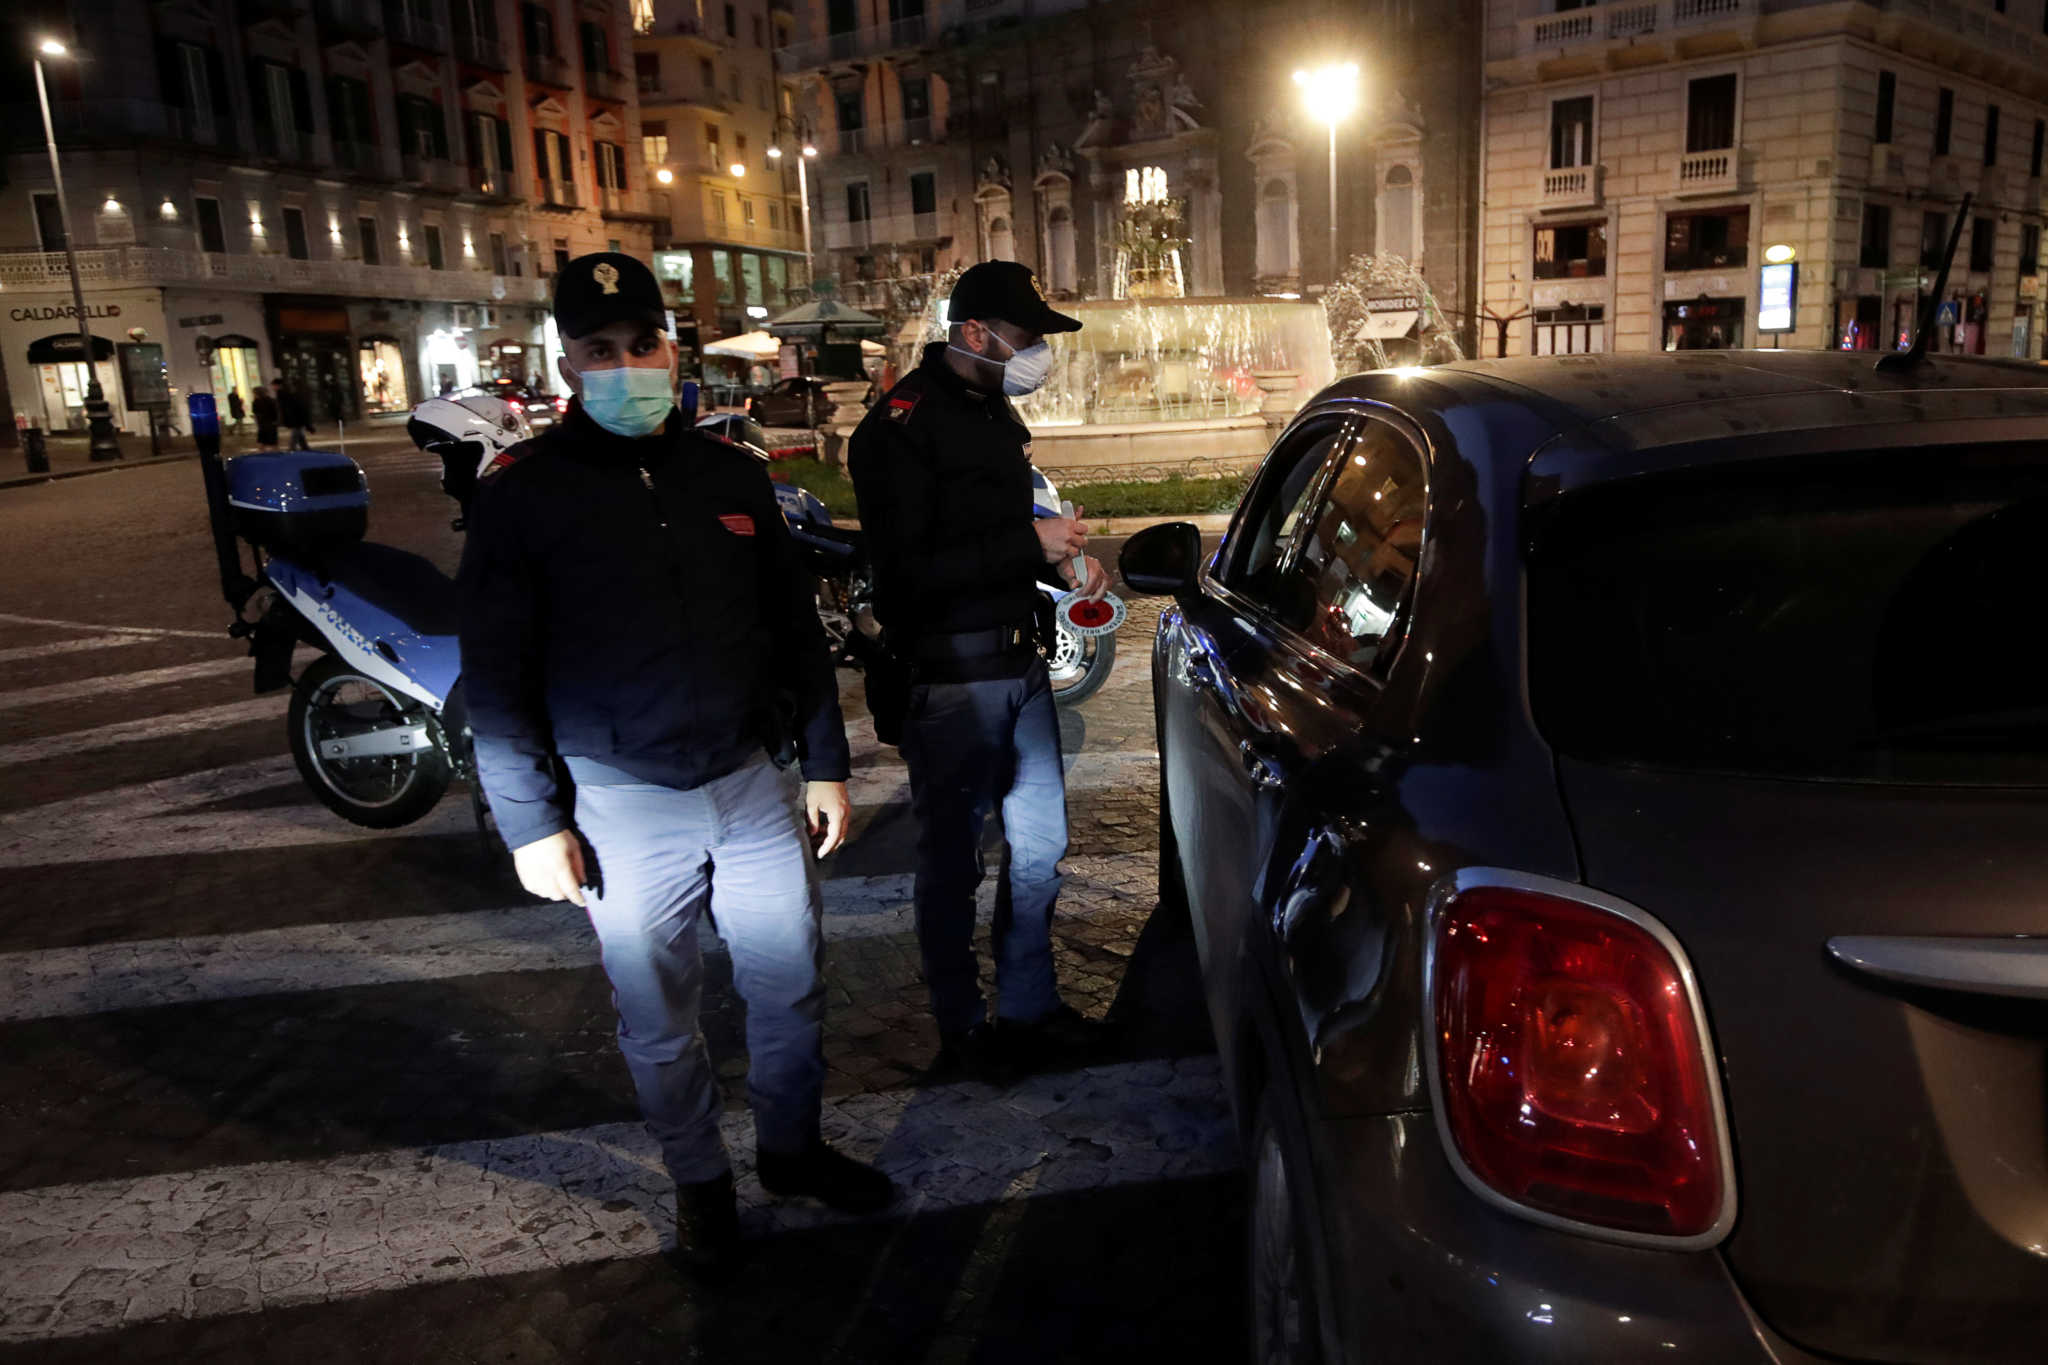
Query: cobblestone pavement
x=272, y=1087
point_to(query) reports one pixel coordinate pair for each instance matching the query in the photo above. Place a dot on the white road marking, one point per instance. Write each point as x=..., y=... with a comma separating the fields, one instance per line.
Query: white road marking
x=148, y=727
x=11, y=619
x=55, y=647
x=160, y=818
x=57, y=983
x=120, y=682
x=89, y=1257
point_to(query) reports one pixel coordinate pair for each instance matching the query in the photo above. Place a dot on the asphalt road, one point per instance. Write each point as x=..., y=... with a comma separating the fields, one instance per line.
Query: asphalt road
x=274, y=1088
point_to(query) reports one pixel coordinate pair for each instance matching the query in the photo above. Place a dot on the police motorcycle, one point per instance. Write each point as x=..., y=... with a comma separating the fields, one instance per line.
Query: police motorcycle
x=376, y=723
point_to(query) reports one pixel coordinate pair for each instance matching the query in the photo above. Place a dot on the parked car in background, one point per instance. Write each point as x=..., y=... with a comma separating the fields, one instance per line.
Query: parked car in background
x=541, y=409
x=798, y=402
x=1609, y=794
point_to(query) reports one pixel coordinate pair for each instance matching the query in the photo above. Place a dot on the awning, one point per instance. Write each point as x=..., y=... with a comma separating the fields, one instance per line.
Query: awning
x=232, y=341
x=1388, y=326
x=749, y=346
x=65, y=348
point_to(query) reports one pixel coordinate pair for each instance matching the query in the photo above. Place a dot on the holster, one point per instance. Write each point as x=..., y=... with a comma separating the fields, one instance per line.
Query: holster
x=886, y=677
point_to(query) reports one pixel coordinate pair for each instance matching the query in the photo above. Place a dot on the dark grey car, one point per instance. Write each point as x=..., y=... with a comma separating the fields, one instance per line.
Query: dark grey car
x=1608, y=792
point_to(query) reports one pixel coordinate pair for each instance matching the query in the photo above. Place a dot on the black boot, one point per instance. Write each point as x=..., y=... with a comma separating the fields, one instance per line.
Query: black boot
x=833, y=1179
x=708, y=1229
x=1059, y=1040
x=974, y=1055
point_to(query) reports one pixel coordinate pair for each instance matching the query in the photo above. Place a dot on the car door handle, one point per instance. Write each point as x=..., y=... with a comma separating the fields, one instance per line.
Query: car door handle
x=1261, y=767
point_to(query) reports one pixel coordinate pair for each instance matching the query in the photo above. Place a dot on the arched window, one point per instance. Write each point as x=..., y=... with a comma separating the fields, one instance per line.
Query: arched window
x=1398, y=235
x=1059, y=243
x=1278, y=251
x=1002, y=243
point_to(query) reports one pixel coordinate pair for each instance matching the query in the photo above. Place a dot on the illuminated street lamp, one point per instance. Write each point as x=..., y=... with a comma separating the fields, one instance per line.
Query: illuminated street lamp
x=99, y=420
x=806, y=151
x=1330, y=94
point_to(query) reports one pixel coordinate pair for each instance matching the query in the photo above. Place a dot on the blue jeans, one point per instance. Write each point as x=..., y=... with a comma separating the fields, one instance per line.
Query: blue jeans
x=738, y=845
x=969, y=746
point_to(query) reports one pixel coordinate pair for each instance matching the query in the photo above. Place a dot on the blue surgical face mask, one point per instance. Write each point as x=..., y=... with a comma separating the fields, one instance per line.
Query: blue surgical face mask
x=628, y=400
x=1025, y=371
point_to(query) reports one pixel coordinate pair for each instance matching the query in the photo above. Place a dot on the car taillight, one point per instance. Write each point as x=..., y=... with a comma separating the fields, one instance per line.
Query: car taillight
x=1573, y=1065
x=561, y=406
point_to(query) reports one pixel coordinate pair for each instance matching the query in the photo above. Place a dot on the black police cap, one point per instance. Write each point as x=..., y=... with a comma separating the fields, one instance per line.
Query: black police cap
x=1004, y=291
x=603, y=288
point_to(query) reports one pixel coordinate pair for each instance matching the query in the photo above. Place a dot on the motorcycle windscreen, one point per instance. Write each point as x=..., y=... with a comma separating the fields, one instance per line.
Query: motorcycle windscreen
x=1796, y=702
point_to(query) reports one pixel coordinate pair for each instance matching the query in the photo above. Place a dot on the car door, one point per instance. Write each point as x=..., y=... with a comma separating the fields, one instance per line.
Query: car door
x=1308, y=615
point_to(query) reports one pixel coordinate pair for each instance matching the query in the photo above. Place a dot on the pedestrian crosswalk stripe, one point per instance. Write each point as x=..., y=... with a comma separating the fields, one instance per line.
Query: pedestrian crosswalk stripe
x=119, y=682
x=146, y=728
x=11, y=619
x=56, y=647
x=52, y=983
x=168, y=816
x=90, y=1257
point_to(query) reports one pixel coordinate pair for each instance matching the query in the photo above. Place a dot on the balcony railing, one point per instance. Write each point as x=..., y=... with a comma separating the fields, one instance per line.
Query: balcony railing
x=350, y=18
x=855, y=44
x=142, y=265
x=120, y=120
x=412, y=31
x=430, y=171
x=492, y=183
x=363, y=158
x=605, y=85
x=1708, y=172
x=899, y=228
x=478, y=50
x=559, y=194
x=548, y=70
x=1625, y=20
x=618, y=203
x=283, y=144
x=1571, y=187
x=853, y=141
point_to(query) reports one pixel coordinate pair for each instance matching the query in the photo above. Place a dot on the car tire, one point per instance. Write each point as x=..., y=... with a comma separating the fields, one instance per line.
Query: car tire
x=1280, y=1271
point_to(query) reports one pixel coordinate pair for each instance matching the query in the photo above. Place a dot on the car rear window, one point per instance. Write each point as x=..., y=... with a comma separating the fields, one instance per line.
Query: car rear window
x=1874, y=617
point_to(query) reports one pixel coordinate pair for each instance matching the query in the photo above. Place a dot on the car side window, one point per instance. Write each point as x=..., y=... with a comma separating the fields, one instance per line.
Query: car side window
x=1346, y=579
x=1290, y=482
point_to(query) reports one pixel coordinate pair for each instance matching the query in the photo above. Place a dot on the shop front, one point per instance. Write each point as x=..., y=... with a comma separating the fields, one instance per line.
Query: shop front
x=61, y=379
x=236, y=368
x=316, y=354
x=512, y=362
x=1703, y=324
x=381, y=370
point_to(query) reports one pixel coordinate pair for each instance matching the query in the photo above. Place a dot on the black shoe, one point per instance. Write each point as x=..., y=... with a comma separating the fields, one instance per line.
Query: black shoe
x=1063, y=1038
x=974, y=1055
x=708, y=1229
x=832, y=1178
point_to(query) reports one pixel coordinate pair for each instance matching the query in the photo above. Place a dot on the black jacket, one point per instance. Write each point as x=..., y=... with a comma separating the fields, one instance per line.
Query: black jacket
x=264, y=408
x=654, y=626
x=292, y=410
x=942, y=472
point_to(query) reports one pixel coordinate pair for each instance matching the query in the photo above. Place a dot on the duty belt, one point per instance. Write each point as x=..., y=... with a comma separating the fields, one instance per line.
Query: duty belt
x=976, y=644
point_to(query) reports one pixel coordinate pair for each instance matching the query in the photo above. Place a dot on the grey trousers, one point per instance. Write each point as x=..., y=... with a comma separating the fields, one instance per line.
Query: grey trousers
x=736, y=844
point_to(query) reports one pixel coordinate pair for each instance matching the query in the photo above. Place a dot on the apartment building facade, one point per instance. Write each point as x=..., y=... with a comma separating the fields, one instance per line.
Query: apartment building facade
x=721, y=143
x=1672, y=174
x=369, y=199
x=954, y=131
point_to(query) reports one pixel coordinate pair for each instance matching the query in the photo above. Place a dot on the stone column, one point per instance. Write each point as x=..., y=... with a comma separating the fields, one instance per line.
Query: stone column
x=847, y=411
x=1280, y=403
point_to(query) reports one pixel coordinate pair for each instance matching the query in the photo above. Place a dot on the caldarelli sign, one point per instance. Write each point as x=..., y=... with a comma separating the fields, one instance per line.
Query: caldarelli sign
x=50, y=312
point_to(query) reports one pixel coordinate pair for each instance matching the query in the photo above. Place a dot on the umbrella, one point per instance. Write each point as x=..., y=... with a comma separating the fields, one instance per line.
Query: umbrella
x=751, y=346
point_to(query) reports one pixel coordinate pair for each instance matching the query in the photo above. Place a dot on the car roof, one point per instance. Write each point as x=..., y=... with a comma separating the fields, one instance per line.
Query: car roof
x=1611, y=416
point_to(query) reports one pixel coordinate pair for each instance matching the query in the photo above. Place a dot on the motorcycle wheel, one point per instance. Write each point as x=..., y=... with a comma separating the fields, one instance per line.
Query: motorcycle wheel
x=330, y=701
x=1079, y=665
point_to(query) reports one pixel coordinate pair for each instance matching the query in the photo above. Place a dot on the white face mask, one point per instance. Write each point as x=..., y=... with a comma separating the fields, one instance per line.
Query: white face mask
x=1025, y=371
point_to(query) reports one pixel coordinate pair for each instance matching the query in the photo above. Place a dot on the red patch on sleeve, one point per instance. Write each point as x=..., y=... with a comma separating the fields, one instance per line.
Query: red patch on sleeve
x=739, y=523
x=900, y=406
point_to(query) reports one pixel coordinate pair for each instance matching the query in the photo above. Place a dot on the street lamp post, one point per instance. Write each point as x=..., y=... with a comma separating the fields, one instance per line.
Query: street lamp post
x=99, y=420
x=1331, y=94
x=806, y=150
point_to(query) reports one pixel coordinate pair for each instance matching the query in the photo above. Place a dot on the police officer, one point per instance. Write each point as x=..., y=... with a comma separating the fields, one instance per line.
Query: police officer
x=941, y=468
x=639, y=650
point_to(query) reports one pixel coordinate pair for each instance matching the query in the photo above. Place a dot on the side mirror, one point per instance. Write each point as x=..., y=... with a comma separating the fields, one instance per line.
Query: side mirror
x=1162, y=560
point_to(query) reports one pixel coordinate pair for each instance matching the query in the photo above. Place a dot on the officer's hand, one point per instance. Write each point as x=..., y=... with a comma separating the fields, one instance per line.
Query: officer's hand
x=826, y=809
x=1098, y=578
x=552, y=868
x=1062, y=537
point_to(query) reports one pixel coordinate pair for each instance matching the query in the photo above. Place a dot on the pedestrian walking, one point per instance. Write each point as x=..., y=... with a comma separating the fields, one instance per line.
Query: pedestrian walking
x=235, y=410
x=331, y=393
x=634, y=620
x=263, y=406
x=293, y=413
x=942, y=474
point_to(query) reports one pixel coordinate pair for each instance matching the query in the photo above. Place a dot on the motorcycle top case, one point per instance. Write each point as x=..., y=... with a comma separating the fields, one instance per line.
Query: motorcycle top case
x=298, y=501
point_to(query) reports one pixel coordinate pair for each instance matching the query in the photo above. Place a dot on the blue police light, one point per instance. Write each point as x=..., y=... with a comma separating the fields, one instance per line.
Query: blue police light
x=205, y=416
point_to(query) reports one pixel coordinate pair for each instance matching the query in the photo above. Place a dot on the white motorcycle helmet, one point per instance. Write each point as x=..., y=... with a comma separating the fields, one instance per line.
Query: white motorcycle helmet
x=473, y=433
